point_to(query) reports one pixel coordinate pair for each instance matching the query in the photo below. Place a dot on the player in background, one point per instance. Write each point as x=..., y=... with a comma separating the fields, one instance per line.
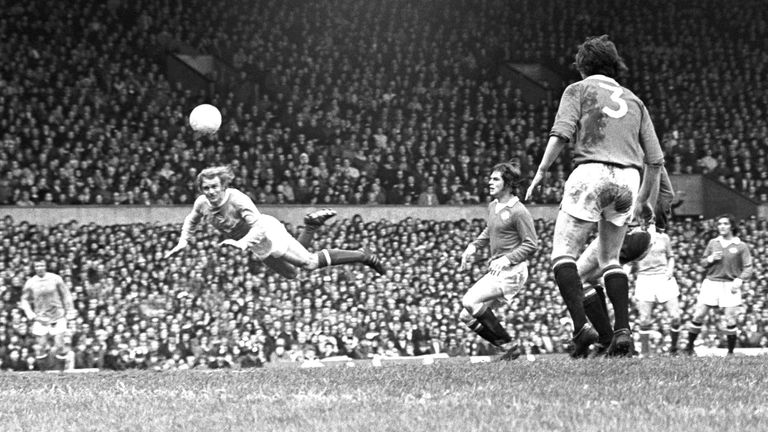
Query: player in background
x=512, y=238
x=729, y=263
x=636, y=244
x=655, y=284
x=47, y=301
x=235, y=215
x=613, y=141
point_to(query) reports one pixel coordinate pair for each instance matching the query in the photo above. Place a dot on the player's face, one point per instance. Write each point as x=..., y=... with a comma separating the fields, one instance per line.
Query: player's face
x=40, y=268
x=724, y=227
x=212, y=189
x=496, y=184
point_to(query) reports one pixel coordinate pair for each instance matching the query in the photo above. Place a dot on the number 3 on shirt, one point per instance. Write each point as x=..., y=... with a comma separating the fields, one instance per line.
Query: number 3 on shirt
x=616, y=97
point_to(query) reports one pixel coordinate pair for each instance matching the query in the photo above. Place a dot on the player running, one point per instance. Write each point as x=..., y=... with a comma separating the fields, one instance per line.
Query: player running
x=235, y=215
x=613, y=142
x=512, y=238
x=729, y=263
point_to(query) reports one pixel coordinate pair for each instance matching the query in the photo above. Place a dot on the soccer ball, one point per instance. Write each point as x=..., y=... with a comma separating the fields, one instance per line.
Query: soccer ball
x=205, y=119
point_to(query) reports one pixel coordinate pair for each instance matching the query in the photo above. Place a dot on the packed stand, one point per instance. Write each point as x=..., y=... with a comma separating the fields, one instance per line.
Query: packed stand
x=354, y=102
x=215, y=308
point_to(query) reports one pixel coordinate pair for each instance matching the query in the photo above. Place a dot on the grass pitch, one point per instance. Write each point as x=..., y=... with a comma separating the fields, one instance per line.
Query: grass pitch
x=551, y=393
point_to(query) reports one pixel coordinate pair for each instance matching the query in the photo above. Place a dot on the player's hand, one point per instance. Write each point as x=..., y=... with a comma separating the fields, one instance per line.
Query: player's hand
x=234, y=243
x=537, y=179
x=176, y=249
x=716, y=256
x=500, y=264
x=468, y=252
x=643, y=213
x=736, y=285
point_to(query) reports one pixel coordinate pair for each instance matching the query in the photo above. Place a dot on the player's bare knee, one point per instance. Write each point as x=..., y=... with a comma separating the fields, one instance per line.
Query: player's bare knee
x=310, y=263
x=473, y=308
x=645, y=322
x=465, y=316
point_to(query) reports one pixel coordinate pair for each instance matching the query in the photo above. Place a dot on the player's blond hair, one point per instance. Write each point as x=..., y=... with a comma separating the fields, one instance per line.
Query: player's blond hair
x=223, y=172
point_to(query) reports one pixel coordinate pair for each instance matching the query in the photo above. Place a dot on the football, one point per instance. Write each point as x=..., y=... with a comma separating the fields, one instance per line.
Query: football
x=205, y=119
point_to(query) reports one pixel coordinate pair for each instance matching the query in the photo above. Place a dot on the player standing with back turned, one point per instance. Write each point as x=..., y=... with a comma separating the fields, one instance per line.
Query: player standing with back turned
x=613, y=141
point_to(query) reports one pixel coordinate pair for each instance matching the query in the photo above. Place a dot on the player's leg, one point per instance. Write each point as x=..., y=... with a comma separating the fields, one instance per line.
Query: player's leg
x=694, y=327
x=570, y=235
x=611, y=237
x=477, y=313
x=281, y=266
x=730, y=320
x=673, y=309
x=312, y=222
x=41, y=347
x=60, y=349
x=281, y=245
x=730, y=300
x=644, y=309
x=594, y=295
x=298, y=255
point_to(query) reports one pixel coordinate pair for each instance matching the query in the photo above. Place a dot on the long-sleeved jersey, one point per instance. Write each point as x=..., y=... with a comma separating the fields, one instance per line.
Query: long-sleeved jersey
x=234, y=218
x=49, y=296
x=510, y=231
x=735, y=263
x=606, y=123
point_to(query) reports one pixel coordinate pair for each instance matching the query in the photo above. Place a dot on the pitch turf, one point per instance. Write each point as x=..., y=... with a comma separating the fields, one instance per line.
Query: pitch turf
x=551, y=393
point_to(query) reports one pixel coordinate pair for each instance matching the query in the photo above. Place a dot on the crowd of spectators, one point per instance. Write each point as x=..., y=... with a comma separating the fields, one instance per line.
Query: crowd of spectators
x=344, y=101
x=218, y=308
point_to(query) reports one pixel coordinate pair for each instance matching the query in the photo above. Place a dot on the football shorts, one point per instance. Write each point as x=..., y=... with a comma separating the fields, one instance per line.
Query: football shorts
x=509, y=280
x=596, y=191
x=272, y=239
x=656, y=288
x=43, y=327
x=719, y=294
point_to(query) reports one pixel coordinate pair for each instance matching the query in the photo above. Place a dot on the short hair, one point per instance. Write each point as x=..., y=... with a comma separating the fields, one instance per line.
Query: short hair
x=598, y=55
x=223, y=172
x=731, y=219
x=510, y=174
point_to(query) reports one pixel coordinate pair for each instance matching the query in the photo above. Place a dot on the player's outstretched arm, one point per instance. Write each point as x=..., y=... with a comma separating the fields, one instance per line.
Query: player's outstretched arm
x=176, y=249
x=190, y=222
x=555, y=145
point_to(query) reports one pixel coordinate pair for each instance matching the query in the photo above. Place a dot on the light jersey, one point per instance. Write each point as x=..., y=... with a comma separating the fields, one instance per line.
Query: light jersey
x=236, y=215
x=49, y=296
x=510, y=231
x=655, y=262
x=735, y=263
x=606, y=123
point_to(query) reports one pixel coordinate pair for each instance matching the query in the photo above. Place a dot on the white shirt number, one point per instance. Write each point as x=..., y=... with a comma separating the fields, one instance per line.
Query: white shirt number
x=616, y=97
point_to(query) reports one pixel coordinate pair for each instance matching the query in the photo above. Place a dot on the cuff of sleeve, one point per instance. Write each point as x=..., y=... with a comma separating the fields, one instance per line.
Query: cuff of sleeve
x=560, y=135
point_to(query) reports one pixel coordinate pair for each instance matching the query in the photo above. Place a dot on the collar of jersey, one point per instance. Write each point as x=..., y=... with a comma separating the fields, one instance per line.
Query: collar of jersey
x=509, y=203
x=602, y=78
x=725, y=243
